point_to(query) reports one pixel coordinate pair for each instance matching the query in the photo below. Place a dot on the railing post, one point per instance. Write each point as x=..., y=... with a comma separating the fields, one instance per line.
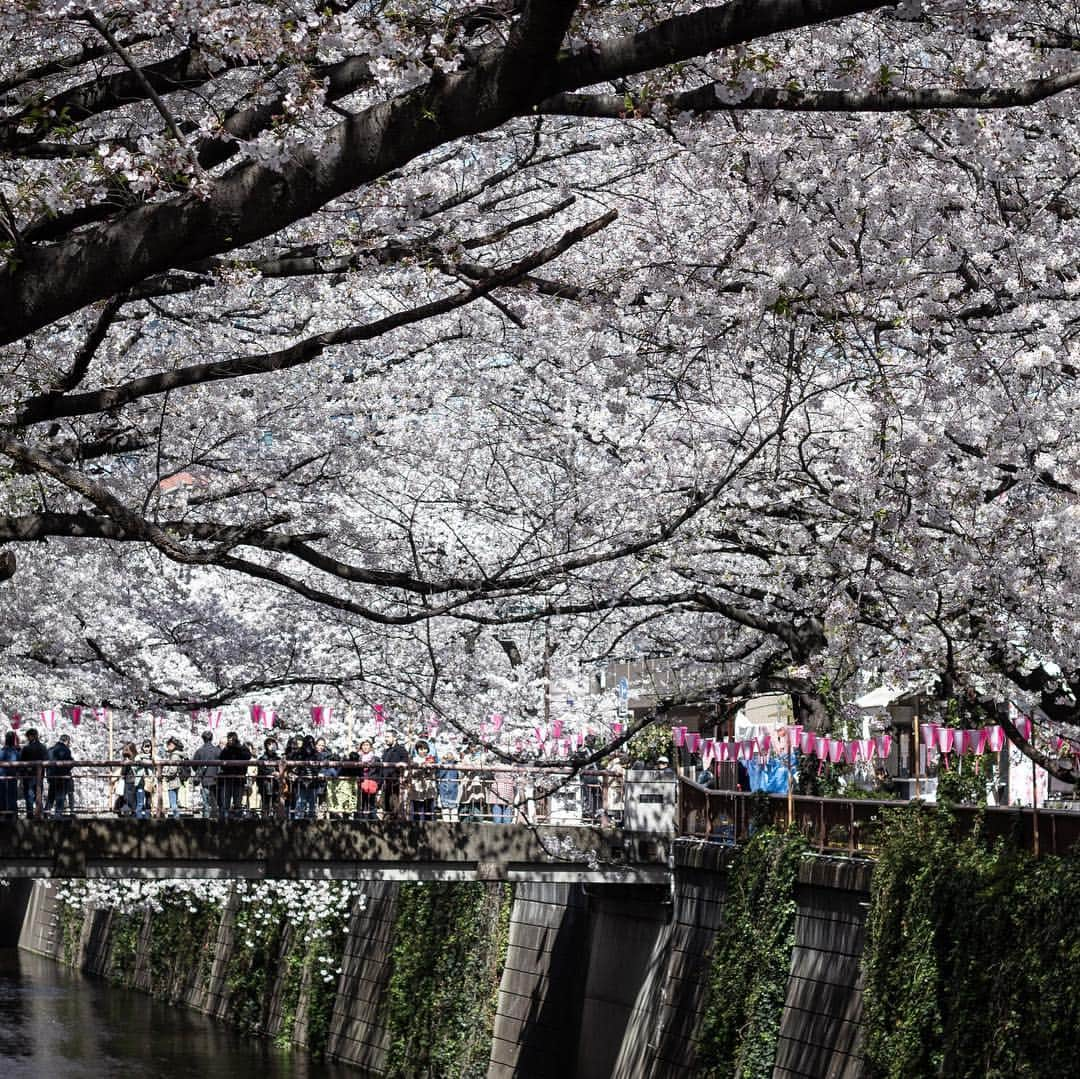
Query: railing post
x=39, y=789
x=281, y=810
x=821, y=827
x=159, y=788
x=851, y=827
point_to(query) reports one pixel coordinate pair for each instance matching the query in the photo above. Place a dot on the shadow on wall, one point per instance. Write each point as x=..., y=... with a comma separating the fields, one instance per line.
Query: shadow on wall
x=14, y=899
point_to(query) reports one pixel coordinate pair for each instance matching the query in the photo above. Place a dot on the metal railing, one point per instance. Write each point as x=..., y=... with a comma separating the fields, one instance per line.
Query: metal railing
x=855, y=824
x=310, y=789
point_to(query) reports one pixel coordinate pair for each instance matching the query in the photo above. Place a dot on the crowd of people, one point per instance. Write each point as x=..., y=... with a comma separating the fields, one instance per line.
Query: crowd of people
x=306, y=778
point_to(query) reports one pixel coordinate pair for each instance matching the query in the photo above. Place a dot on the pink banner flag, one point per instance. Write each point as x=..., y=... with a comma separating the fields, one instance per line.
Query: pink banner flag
x=821, y=747
x=616, y=729
x=795, y=732
x=883, y=743
x=851, y=752
x=76, y=716
x=48, y=717
x=723, y=751
x=945, y=738
x=538, y=735
x=257, y=714
x=580, y=738
x=678, y=736
x=866, y=748
x=497, y=722
x=693, y=741
x=806, y=743
x=995, y=738
x=928, y=734
x=564, y=747
x=836, y=750
x=979, y=737
x=1023, y=725
x=556, y=729
x=16, y=721
x=765, y=743
x=707, y=752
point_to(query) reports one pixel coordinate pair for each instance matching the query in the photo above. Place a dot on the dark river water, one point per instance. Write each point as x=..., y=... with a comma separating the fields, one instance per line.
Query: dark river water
x=56, y=1023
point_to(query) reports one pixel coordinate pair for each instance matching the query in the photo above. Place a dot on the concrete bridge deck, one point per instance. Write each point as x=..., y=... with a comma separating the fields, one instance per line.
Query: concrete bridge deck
x=331, y=850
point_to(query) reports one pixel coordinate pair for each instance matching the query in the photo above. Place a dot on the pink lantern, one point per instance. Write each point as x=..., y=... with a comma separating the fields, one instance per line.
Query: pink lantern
x=48, y=717
x=693, y=741
x=556, y=729
x=1023, y=725
x=616, y=729
x=851, y=752
x=795, y=732
x=765, y=743
x=708, y=751
x=836, y=750
x=996, y=738
x=807, y=743
x=928, y=734
x=380, y=716
x=678, y=736
x=821, y=747
x=76, y=716
x=866, y=748
x=945, y=738
x=580, y=738
x=883, y=743
x=16, y=721
x=497, y=722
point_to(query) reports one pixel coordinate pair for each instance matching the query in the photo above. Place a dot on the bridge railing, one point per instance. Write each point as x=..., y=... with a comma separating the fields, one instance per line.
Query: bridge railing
x=310, y=789
x=854, y=824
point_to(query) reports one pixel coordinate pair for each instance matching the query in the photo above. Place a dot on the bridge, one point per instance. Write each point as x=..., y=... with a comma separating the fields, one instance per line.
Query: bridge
x=555, y=834
x=330, y=850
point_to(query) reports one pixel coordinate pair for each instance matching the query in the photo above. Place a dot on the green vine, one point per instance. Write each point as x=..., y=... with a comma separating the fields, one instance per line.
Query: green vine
x=70, y=921
x=449, y=950
x=752, y=957
x=971, y=956
x=124, y=947
x=253, y=965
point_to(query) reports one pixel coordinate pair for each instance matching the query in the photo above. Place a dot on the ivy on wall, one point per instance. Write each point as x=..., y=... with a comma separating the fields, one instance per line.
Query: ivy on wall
x=180, y=943
x=751, y=959
x=449, y=949
x=971, y=957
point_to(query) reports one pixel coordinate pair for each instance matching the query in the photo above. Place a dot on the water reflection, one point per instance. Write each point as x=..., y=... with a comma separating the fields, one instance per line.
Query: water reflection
x=55, y=1022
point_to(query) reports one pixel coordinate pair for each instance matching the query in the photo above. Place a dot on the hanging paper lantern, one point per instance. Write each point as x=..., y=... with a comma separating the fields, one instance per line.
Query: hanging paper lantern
x=946, y=737
x=996, y=738
x=765, y=743
x=883, y=743
x=807, y=743
x=851, y=751
x=821, y=747
x=556, y=729
x=836, y=750
x=866, y=748
x=678, y=736
x=1023, y=725
x=76, y=716
x=928, y=734
x=16, y=721
x=49, y=717
x=693, y=741
x=616, y=729
x=497, y=722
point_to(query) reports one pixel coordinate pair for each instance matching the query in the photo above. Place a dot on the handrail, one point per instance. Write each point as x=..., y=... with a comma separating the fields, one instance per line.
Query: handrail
x=853, y=824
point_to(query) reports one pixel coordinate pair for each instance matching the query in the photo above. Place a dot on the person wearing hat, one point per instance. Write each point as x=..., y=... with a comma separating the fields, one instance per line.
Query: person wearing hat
x=664, y=765
x=61, y=785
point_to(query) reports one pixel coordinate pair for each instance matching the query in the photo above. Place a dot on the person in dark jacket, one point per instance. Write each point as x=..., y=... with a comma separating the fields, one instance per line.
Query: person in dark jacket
x=206, y=775
x=269, y=778
x=305, y=776
x=32, y=754
x=234, y=758
x=9, y=777
x=61, y=785
x=394, y=755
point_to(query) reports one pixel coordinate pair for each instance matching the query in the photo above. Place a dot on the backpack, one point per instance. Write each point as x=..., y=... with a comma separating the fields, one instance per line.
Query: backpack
x=183, y=773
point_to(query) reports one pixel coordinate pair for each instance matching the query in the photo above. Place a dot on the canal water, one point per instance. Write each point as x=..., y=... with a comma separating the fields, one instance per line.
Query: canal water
x=59, y=1024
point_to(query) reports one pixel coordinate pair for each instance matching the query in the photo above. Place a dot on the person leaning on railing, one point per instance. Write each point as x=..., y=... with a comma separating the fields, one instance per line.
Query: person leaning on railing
x=9, y=777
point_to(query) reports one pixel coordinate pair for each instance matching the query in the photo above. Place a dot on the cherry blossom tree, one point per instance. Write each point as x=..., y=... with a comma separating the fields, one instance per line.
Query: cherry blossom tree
x=370, y=345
